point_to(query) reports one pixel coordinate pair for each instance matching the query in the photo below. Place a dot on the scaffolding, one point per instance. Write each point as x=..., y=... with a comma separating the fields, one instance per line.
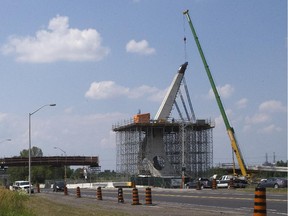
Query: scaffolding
x=188, y=146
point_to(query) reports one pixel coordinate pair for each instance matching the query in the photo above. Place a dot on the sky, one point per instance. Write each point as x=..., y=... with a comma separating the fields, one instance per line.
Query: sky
x=103, y=61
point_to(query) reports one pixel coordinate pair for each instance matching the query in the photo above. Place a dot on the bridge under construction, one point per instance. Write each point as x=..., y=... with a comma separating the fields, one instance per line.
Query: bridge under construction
x=166, y=146
x=51, y=161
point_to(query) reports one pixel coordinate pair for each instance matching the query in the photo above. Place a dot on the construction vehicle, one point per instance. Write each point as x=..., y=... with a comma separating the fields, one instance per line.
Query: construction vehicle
x=229, y=129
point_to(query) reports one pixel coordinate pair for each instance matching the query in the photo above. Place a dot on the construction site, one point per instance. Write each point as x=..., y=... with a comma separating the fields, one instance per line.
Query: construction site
x=166, y=146
x=171, y=146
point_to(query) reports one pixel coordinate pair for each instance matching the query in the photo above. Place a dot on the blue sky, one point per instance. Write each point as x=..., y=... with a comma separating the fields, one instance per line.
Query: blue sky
x=102, y=61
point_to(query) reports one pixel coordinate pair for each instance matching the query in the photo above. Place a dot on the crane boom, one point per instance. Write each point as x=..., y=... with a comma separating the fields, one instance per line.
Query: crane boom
x=229, y=129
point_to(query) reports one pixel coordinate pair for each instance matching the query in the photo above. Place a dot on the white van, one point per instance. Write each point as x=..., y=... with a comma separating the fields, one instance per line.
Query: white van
x=22, y=185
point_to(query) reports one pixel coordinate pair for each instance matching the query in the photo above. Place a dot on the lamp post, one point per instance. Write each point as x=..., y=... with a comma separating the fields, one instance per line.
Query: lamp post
x=29, y=150
x=183, y=162
x=65, y=176
x=5, y=140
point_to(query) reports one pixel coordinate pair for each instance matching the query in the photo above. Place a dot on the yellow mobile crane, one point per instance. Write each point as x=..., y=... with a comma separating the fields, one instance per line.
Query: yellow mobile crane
x=229, y=129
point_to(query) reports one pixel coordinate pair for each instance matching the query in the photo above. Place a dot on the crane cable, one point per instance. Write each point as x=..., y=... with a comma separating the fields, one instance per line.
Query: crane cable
x=184, y=39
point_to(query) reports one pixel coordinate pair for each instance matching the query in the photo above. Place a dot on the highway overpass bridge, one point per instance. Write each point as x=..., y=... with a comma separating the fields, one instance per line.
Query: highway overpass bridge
x=256, y=168
x=50, y=161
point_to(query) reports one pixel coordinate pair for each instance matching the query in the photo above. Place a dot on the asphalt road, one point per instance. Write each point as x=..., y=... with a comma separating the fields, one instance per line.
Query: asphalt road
x=221, y=200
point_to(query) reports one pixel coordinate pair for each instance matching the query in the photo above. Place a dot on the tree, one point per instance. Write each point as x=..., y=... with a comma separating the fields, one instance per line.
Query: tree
x=78, y=174
x=281, y=163
x=18, y=173
x=106, y=175
x=35, y=152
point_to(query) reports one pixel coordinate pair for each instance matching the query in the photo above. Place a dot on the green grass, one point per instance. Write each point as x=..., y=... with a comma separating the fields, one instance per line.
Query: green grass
x=13, y=203
x=45, y=206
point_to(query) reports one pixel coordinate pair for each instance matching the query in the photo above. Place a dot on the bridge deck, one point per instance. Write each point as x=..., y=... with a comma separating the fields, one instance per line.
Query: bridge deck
x=52, y=161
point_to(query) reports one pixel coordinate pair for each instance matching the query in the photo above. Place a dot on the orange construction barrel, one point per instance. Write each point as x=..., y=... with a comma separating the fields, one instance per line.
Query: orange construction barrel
x=260, y=202
x=65, y=191
x=148, y=196
x=78, y=193
x=120, y=195
x=214, y=184
x=99, y=193
x=135, y=197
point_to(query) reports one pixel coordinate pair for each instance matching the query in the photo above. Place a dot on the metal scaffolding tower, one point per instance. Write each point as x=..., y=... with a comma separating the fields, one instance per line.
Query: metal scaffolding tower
x=131, y=141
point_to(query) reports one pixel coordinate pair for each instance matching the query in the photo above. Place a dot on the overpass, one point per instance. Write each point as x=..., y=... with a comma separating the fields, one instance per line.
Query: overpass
x=92, y=161
x=268, y=168
x=256, y=168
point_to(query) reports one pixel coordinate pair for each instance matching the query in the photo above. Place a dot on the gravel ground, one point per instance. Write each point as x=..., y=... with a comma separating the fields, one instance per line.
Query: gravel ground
x=159, y=209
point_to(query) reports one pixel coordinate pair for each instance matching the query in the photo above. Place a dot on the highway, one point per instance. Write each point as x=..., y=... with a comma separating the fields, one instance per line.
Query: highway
x=220, y=200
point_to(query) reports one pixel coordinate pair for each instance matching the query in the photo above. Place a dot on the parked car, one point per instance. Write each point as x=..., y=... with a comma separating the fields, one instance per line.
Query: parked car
x=204, y=183
x=273, y=183
x=22, y=185
x=238, y=182
x=58, y=186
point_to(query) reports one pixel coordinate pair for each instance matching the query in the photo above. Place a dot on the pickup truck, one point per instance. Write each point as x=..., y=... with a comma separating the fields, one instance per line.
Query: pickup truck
x=223, y=182
x=22, y=185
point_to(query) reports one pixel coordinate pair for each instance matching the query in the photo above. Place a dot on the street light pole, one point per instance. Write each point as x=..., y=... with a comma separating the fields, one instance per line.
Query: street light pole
x=65, y=174
x=5, y=140
x=183, y=154
x=29, y=150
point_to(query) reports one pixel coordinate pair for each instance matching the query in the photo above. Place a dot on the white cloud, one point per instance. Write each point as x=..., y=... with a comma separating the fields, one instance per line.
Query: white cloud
x=272, y=106
x=270, y=129
x=68, y=110
x=109, y=89
x=247, y=128
x=141, y=91
x=141, y=47
x=2, y=116
x=224, y=91
x=257, y=118
x=158, y=96
x=264, y=115
x=57, y=43
x=105, y=89
x=108, y=142
x=242, y=103
x=219, y=123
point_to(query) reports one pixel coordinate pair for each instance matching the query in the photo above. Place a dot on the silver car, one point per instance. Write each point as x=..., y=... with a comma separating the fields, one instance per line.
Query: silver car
x=273, y=182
